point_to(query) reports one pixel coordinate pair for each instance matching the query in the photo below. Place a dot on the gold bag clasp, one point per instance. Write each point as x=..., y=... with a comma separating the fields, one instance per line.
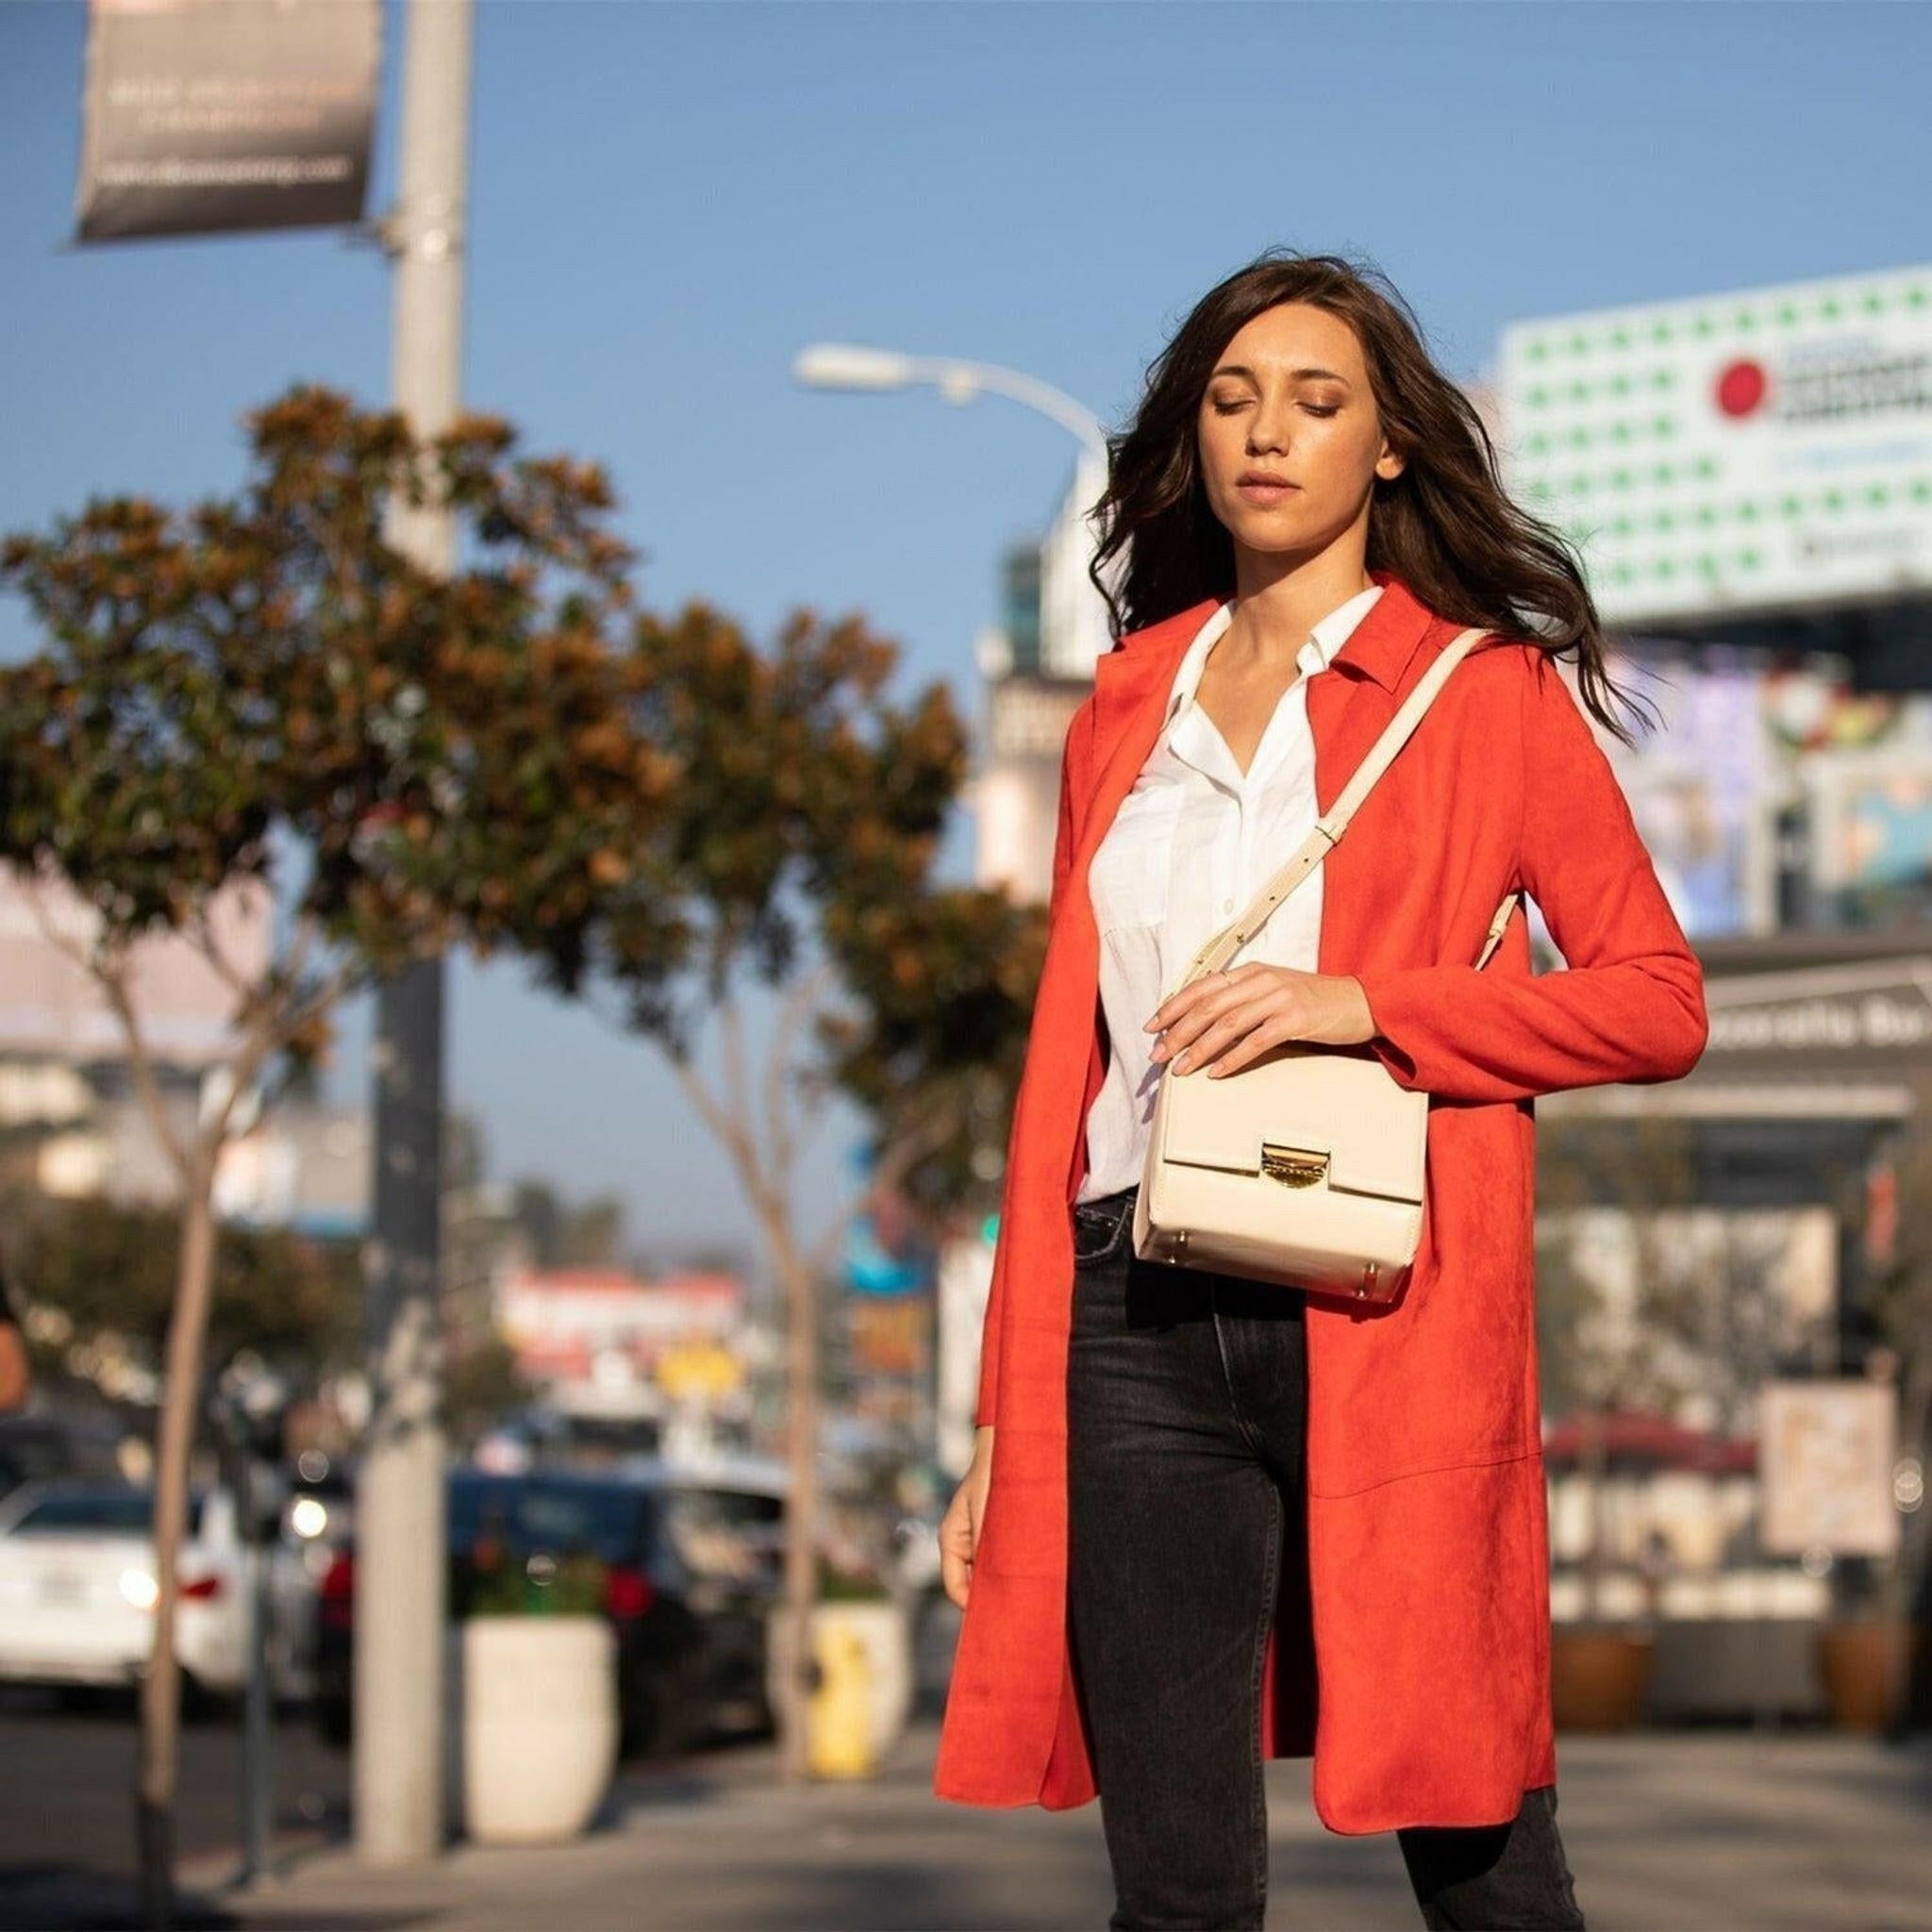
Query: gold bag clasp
x=1293, y=1167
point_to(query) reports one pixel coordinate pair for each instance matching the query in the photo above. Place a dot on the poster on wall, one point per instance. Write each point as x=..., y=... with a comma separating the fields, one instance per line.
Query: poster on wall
x=1827, y=1450
x=1872, y=831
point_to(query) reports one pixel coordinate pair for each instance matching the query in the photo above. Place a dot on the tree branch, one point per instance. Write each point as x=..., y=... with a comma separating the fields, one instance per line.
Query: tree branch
x=737, y=1096
x=899, y=1158
x=327, y=993
x=211, y=951
x=799, y=1001
x=34, y=887
x=113, y=980
x=733, y=1133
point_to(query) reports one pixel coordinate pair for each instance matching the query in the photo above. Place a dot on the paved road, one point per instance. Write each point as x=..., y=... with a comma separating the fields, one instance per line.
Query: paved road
x=67, y=1794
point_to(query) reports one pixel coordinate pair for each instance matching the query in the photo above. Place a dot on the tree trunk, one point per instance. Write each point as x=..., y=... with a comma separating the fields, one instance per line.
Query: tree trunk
x=160, y=1689
x=801, y=1513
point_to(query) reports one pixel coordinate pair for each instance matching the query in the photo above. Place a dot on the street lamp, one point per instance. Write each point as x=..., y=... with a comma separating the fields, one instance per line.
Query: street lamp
x=1073, y=612
x=853, y=366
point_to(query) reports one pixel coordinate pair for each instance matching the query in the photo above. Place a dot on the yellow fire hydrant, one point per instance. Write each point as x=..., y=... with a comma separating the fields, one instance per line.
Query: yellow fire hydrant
x=840, y=1721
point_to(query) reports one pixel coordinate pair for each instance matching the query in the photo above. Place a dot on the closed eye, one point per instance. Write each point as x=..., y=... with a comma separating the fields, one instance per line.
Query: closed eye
x=1313, y=408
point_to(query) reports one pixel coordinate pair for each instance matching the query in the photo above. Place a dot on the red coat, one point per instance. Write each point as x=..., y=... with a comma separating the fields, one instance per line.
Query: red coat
x=1423, y=1691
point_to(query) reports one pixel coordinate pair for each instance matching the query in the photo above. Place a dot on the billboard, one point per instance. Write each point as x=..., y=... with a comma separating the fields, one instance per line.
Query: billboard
x=1703, y=787
x=1761, y=450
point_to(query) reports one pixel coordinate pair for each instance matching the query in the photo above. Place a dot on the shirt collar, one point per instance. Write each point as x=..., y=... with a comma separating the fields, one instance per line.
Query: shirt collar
x=1317, y=654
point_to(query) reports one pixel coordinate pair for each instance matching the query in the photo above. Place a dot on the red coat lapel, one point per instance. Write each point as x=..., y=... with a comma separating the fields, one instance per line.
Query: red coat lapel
x=1132, y=682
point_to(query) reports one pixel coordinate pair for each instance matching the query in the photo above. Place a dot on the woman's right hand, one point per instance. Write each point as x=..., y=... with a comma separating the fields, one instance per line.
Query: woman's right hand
x=960, y=1525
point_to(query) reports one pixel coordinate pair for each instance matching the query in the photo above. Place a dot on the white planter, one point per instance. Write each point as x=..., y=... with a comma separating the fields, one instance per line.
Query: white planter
x=538, y=1726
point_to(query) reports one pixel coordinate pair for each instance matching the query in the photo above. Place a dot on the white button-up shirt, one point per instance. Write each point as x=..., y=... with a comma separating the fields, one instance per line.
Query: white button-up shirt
x=1192, y=843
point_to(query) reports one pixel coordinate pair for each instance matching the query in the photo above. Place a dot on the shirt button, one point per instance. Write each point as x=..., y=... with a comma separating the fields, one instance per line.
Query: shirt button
x=1227, y=905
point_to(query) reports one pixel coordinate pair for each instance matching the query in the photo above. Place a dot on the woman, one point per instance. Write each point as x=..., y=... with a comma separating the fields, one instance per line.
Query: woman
x=1209, y=1520
x=14, y=1373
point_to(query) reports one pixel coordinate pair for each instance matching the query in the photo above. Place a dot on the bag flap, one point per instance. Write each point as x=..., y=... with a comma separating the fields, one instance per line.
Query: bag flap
x=1319, y=1099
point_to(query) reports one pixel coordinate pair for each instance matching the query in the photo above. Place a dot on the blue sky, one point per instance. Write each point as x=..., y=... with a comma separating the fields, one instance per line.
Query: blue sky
x=669, y=200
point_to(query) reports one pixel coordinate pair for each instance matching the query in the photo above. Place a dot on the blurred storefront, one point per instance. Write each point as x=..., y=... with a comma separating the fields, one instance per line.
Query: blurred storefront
x=607, y=1346
x=1748, y=478
x=1733, y=1233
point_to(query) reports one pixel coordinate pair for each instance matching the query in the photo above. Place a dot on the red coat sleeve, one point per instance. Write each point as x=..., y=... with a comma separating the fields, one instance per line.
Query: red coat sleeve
x=995, y=1298
x=1629, y=1007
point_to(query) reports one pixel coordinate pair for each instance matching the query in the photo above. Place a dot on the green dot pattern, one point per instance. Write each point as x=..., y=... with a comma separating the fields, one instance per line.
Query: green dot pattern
x=1613, y=436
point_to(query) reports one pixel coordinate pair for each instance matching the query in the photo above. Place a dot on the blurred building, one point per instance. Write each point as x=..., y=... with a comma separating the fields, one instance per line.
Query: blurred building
x=76, y=1122
x=604, y=1342
x=51, y=1011
x=1037, y=665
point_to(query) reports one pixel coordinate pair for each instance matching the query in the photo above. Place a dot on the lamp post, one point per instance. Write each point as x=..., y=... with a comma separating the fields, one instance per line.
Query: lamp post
x=399, y=1685
x=853, y=366
x=1074, y=620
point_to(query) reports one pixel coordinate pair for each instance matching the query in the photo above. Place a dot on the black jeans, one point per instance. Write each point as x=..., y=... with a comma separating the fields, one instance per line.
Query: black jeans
x=1187, y=1396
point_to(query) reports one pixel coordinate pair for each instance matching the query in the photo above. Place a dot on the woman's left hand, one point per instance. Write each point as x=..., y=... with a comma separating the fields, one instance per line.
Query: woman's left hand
x=1224, y=1020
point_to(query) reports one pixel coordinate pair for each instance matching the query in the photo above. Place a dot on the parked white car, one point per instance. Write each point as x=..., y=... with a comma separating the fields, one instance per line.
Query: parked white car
x=78, y=1588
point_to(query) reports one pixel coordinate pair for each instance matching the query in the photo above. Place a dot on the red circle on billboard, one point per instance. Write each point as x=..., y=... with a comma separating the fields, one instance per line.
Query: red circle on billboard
x=1741, y=387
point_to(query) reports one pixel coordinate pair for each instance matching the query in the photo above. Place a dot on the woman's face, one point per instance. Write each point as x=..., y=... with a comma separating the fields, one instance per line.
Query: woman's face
x=1289, y=399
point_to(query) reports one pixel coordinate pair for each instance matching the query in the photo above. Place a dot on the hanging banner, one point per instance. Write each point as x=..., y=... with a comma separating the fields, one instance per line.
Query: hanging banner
x=208, y=117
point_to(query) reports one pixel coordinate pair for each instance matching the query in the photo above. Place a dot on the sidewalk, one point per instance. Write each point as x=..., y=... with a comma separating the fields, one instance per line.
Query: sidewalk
x=1804, y=1830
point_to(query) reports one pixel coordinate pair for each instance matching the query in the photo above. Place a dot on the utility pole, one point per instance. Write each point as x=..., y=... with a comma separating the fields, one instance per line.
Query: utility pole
x=401, y=1586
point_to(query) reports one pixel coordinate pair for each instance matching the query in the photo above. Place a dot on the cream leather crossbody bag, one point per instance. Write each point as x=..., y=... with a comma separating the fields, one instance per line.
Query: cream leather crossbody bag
x=1305, y=1166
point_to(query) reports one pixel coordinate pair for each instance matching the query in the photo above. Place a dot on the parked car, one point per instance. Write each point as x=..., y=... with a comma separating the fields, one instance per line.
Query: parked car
x=535, y=1518
x=725, y=1517
x=77, y=1588
x=39, y=1448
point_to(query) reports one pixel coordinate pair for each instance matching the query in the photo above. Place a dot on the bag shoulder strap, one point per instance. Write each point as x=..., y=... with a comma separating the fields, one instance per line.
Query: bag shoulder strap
x=1329, y=828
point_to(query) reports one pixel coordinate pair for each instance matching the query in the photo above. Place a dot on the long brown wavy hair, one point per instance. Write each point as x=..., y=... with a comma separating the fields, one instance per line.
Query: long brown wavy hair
x=1445, y=525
